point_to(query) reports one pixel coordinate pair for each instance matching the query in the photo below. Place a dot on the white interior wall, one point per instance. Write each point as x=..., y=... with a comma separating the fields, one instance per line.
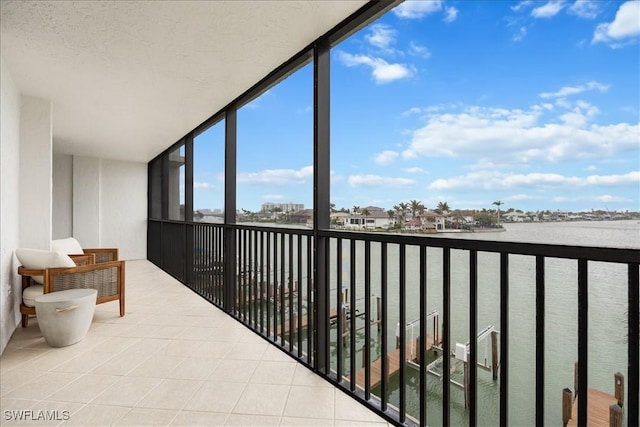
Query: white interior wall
x=9, y=203
x=123, y=211
x=35, y=173
x=110, y=205
x=86, y=201
x=62, y=196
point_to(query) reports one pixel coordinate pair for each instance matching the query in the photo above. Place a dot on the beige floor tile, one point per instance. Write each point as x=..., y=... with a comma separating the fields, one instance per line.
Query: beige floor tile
x=268, y=372
x=127, y=391
x=346, y=408
x=170, y=394
x=216, y=396
x=96, y=415
x=12, y=359
x=44, y=385
x=194, y=369
x=157, y=366
x=85, y=362
x=247, y=351
x=262, y=399
x=200, y=419
x=148, y=346
x=115, y=344
x=84, y=389
x=252, y=420
x=304, y=376
x=302, y=422
x=120, y=364
x=274, y=354
x=15, y=378
x=147, y=417
x=310, y=402
x=234, y=371
x=56, y=411
x=181, y=347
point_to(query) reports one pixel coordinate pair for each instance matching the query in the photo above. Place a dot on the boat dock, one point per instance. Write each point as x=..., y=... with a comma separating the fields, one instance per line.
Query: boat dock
x=604, y=409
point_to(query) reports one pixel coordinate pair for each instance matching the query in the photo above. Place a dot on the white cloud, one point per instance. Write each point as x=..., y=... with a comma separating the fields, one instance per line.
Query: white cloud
x=588, y=9
x=416, y=9
x=494, y=180
x=415, y=170
x=381, y=36
x=624, y=27
x=520, y=35
x=379, y=181
x=382, y=71
x=385, y=158
x=277, y=176
x=591, y=168
x=411, y=111
x=202, y=185
x=451, y=13
x=519, y=197
x=522, y=5
x=548, y=10
x=574, y=90
x=272, y=197
x=502, y=136
x=419, y=50
x=606, y=198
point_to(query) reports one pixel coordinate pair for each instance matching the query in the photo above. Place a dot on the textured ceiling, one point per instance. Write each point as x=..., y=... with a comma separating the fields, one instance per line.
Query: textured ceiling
x=129, y=78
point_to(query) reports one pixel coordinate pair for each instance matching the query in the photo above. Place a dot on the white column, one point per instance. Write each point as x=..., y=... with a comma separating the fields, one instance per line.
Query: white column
x=35, y=173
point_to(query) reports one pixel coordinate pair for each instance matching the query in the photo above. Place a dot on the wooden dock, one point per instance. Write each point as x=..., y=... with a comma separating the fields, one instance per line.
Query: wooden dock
x=304, y=321
x=394, y=362
x=597, y=411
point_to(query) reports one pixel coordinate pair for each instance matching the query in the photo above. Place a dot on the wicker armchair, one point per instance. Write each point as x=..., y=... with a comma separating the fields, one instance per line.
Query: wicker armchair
x=71, y=246
x=106, y=277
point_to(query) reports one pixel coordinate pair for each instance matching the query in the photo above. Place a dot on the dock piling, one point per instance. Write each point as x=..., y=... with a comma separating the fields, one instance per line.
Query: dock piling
x=619, y=388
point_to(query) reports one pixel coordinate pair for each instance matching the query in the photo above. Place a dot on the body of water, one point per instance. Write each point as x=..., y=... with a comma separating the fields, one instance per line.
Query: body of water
x=607, y=314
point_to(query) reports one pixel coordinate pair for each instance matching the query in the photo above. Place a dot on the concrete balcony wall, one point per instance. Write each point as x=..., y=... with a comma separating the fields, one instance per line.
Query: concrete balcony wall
x=10, y=202
x=62, y=196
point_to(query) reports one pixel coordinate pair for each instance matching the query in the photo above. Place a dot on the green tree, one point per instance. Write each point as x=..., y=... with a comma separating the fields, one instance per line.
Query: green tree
x=366, y=214
x=443, y=207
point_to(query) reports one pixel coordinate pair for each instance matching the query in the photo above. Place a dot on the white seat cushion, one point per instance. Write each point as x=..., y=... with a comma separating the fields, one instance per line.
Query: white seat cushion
x=30, y=294
x=37, y=259
x=69, y=246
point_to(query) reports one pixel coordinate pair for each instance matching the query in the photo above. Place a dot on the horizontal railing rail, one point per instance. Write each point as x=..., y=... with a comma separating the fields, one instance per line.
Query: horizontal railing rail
x=395, y=307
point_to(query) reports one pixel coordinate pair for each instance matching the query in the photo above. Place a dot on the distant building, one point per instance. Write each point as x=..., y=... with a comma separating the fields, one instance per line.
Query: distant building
x=281, y=207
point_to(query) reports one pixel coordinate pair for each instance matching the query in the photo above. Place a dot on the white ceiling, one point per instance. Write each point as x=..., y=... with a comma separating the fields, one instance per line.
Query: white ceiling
x=129, y=78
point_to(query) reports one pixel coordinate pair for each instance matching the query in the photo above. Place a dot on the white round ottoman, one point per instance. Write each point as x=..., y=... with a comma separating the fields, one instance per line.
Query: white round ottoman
x=64, y=317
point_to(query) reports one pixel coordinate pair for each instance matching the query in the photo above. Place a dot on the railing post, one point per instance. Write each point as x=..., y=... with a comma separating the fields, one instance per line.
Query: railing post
x=230, y=258
x=321, y=192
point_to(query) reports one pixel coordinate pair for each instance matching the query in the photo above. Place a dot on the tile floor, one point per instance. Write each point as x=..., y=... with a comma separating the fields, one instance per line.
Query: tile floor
x=173, y=360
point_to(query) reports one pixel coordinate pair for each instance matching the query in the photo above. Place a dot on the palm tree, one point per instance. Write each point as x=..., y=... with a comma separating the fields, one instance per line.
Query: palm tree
x=332, y=207
x=443, y=207
x=355, y=209
x=416, y=207
x=498, y=203
x=402, y=211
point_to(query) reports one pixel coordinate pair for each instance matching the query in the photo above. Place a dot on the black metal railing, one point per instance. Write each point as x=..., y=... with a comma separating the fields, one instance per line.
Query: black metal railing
x=396, y=306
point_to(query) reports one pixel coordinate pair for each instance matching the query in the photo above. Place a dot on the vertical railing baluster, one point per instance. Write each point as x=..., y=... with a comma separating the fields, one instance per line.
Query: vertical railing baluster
x=299, y=296
x=403, y=327
x=366, y=356
x=261, y=281
x=352, y=313
x=540, y=336
x=291, y=279
x=310, y=284
x=268, y=283
x=422, y=354
x=504, y=338
x=384, y=386
x=583, y=342
x=633, y=348
x=283, y=281
x=473, y=337
x=446, y=335
x=339, y=310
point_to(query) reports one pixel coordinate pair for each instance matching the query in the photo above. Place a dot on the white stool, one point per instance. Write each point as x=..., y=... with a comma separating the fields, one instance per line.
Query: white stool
x=64, y=317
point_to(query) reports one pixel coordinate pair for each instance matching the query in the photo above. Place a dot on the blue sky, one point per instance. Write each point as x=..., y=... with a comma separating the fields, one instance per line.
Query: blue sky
x=533, y=103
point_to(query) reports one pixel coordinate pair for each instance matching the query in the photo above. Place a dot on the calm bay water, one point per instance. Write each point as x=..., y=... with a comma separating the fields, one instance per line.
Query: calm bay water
x=607, y=312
